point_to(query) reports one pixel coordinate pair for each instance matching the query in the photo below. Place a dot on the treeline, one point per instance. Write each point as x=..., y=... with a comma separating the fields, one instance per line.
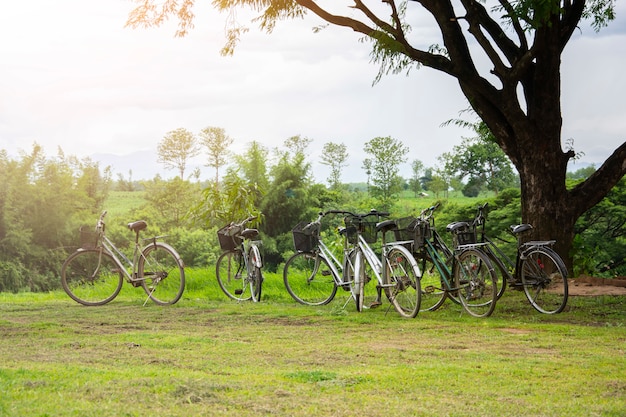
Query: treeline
x=44, y=200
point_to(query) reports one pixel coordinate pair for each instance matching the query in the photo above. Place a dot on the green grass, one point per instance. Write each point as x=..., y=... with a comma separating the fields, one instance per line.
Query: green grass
x=211, y=356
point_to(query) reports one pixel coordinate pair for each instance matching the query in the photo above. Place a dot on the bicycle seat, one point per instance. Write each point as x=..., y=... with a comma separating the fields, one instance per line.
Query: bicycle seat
x=249, y=233
x=519, y=228
x=457, y=226
x=386, y=225
x=138, y=225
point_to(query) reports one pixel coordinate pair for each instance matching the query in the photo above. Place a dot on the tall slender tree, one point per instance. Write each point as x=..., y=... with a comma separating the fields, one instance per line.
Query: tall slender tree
x=216, y=141
x=176, y=148
x=334, y=155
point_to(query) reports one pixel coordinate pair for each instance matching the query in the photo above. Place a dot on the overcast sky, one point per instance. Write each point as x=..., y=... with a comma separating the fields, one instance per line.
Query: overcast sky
x=72, y=76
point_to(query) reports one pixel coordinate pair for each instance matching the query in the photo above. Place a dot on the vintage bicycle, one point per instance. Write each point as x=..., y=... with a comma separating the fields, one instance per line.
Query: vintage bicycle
x=538, y=270
x=94, y=274
x=395, y=269
x=463, y=274
x=238, y=269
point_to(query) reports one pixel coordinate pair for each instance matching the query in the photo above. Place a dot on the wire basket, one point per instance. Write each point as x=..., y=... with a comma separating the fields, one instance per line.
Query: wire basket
x=357, y=226
x=464, y=236
x=88, y=237
x=305, y=240
x=413, y=229
x=228, y=238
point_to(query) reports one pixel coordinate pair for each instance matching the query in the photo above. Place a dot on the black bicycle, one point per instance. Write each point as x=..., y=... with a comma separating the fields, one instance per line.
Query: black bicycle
x=537, y=270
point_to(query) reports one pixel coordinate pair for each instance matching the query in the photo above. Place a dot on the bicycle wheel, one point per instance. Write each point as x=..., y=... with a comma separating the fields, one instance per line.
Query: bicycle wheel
x=91, y=277
x=231, y=274
x=476, y=283
x=402, y=285
x=357, y=287
x=162, y=273
x=544, y=278
x=433, y=287
x=256, y=277
x=309, y=279
x=502, y=273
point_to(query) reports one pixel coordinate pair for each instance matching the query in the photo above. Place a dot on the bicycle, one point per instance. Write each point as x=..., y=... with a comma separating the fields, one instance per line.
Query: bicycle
x=94, y=274
x=537, y=270
x=395, y=270
x=238, y=269
x=463, y=274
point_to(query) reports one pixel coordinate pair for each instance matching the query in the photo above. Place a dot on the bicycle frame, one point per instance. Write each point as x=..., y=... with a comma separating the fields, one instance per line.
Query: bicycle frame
x=114, y=252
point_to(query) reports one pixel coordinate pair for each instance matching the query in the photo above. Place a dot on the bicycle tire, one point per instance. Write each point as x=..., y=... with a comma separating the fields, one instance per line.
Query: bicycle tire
x=91, y=277
x=231, y=275
x=309, y=280
x=544, y=279
x=256, y=277
x=433, y=291
x=502, y=273
x=357, y=287
x=476, y=283
x=402, y=286
x=162, y=273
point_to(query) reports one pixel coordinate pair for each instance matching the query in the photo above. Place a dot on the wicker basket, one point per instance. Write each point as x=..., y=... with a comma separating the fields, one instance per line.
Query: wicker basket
x=88, y=237
x=228, y=238
x=415, y=230
x=305, y=240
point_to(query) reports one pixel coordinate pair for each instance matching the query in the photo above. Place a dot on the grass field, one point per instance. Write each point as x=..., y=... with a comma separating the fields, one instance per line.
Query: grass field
x=208, y=356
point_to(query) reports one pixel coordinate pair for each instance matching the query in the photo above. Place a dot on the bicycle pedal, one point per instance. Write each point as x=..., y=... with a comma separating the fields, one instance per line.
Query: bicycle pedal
x=238, y=292
x=325, y=273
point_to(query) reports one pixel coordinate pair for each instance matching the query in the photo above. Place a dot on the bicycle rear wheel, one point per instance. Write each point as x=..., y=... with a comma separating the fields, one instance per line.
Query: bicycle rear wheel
x=309, y=279
x=91, y=277
x=162, y=273
x=476, y=283
x=231, y=274
x=402, y=285
x=544, y=278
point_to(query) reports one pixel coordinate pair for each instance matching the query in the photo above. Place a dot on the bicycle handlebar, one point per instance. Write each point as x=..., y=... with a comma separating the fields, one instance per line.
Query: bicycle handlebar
x=427, y=213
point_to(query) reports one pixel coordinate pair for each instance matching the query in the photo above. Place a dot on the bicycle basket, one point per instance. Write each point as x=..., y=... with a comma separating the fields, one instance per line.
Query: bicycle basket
x=305, y=240
x=88, y=237
x=413, y=229
x=464, y=236
x=357, y=226
x=227, y=239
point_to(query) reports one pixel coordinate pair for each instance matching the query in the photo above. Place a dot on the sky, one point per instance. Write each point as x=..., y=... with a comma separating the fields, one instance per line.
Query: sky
x=73, y=77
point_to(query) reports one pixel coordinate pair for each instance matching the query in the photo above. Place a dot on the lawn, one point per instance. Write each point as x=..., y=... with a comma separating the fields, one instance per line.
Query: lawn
x=210, y=356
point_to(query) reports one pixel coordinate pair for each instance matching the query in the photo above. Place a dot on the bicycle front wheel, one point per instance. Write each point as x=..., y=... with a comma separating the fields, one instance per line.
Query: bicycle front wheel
x=256, y=277
x=91, y=277
x=162, y=273
x=476, y=283
x=402, y=285
x=544, y=278
x=309, y=279
x=231, y=274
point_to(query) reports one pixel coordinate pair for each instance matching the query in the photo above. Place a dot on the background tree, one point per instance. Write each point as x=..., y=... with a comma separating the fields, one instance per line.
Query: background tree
x=517, y=95
x=481, y=162
x=417, y=168
x=216, y=142
x=176, y=148
x=253, y=164
x=387, y=154
x=334, y=155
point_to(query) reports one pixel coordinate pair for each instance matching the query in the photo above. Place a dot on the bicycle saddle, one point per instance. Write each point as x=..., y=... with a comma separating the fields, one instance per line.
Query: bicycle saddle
x=138, y=225
x=249, y=233
x=454, y=227
x=519, y=228
x=386, y=225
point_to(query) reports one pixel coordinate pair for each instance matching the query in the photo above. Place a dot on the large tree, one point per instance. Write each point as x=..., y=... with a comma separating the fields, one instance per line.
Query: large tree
x=517, y=95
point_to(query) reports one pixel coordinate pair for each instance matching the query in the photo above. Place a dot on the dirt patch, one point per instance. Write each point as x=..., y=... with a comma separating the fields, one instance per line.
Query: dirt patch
x=593, y=286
